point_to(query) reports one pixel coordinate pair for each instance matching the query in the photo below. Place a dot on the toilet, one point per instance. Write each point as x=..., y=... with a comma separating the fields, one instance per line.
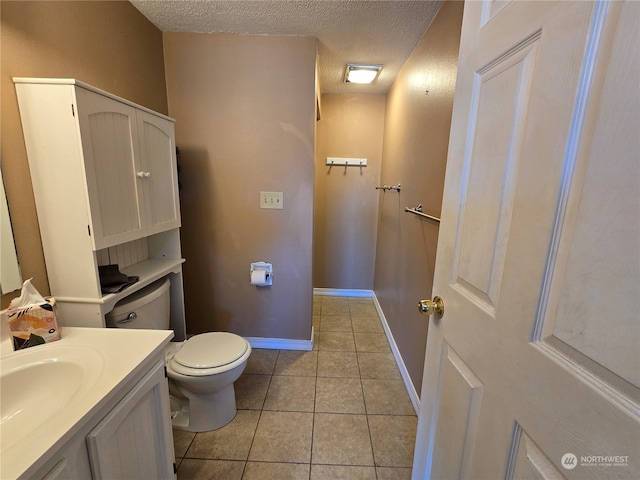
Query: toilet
x=201, y=370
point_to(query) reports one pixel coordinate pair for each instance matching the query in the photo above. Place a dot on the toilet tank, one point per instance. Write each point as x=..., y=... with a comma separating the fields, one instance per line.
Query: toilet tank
x=148, y=308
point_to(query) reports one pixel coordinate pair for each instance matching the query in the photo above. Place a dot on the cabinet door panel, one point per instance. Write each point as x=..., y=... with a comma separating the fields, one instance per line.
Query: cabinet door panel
x=110, y=147
x=71, y=461
x=158, y=158
x=135, y=440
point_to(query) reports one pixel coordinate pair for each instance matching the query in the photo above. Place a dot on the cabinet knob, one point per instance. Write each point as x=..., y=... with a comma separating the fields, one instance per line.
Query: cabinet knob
x=140, y=174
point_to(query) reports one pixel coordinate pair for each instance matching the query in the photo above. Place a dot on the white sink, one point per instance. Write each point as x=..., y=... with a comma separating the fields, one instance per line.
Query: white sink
x=37, y=383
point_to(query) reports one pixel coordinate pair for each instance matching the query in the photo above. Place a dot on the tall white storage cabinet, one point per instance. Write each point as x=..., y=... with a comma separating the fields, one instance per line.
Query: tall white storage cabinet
x=105, y=183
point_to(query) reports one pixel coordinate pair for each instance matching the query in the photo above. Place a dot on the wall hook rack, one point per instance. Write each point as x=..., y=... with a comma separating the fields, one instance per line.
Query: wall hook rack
x=346, y=162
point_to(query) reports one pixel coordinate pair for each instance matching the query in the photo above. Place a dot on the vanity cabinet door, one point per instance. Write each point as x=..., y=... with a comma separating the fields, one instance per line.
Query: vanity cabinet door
x=108, y=131
x=71, y=462
x=135, y=440
x=160, y=174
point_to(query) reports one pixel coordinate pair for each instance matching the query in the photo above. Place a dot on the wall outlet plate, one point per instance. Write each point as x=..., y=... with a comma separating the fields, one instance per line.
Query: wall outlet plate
x=272, y=200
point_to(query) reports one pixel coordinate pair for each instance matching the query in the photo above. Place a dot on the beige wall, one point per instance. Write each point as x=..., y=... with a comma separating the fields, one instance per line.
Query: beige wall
x=346, y=201
x=416, y=136
x=245, y=121
x=106, y=44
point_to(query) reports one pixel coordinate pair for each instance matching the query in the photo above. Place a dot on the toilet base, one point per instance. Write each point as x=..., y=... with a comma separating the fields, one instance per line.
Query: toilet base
x=204, y=412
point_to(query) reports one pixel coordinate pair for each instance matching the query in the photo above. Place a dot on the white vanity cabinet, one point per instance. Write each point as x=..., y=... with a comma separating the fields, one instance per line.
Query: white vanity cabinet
x=133, y=441
x=105, y=183
x=118, y=425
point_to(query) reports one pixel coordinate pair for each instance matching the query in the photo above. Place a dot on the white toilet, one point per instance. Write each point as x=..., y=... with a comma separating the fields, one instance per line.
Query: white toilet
x=201, y=370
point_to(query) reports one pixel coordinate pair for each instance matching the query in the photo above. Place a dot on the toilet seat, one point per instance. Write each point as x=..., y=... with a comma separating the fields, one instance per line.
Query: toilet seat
x=209, y=353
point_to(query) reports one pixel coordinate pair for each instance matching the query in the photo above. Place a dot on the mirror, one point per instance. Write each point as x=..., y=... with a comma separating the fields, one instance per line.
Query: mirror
x=10, y=278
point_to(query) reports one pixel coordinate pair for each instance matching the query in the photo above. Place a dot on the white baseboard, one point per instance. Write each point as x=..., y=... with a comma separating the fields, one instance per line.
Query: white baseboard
x=338, y=292
x=281, y=343
x=411, y=390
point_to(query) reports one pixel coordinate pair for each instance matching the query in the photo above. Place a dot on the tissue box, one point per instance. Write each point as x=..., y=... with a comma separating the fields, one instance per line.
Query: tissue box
x=33, y=324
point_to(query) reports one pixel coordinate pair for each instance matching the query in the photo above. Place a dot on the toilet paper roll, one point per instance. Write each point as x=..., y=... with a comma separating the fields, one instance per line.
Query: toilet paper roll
x=259, y=277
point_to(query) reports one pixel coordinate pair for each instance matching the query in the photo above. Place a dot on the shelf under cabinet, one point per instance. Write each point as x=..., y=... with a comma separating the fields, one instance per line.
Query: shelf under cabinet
x=148, y=271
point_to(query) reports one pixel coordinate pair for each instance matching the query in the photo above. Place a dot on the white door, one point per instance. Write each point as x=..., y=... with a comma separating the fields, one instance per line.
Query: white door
x=534, y=369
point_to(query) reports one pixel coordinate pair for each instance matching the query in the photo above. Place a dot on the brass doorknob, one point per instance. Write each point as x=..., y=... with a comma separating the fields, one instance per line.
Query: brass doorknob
x=432, y=307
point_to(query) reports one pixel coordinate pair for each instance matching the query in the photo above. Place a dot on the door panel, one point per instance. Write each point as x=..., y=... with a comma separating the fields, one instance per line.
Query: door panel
x=530, y=463
x=491, y=9
x=499, y=103
x=540, y=228
x=599, y=229
x=459, y=402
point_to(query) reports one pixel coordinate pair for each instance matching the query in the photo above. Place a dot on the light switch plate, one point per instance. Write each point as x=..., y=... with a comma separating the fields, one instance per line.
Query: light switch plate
x=272, y=200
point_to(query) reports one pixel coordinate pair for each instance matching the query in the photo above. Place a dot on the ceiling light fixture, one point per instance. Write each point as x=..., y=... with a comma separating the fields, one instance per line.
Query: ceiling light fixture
x=363, y=74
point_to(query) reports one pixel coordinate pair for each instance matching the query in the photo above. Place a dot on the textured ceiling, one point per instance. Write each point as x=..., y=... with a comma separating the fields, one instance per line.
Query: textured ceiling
x=348, y=31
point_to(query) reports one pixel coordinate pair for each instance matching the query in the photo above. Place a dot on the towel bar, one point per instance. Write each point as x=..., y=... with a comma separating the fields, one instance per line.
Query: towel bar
x=390, y=187
x=418, y=211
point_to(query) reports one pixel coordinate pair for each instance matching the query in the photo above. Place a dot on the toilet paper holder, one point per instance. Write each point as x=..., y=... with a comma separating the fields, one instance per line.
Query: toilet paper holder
x=263, y=273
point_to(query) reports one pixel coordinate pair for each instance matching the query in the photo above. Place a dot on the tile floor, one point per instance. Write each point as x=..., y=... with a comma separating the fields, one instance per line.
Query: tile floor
x=338, y=412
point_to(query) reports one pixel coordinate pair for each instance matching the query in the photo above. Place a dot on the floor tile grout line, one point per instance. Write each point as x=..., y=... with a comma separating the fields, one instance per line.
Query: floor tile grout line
x=253, y=438
x=373, y=453
x=366, y=409
x=313, y=418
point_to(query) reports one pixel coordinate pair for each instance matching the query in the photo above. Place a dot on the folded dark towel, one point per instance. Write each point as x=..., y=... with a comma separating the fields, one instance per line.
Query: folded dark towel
x=114, y=281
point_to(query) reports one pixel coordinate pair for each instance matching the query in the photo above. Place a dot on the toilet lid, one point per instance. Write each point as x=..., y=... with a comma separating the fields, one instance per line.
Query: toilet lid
x=210, y=350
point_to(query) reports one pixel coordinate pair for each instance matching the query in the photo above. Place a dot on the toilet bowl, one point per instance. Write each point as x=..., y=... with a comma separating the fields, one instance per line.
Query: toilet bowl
x=201, y=370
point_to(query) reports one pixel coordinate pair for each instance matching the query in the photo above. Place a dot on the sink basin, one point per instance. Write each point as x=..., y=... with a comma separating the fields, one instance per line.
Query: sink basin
x=39, y=382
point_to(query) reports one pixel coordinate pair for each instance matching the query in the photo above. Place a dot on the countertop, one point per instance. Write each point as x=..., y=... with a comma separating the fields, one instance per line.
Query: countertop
x=126, y=354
